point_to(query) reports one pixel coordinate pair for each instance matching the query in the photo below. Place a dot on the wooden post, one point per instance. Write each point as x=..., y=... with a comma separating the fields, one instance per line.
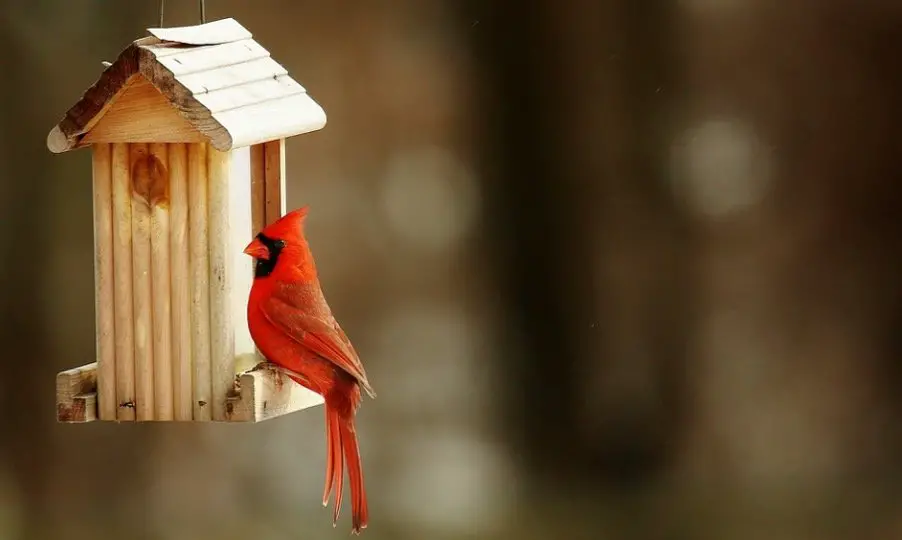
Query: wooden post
x=122, y=286
x=222, y=345
x=180, y=278
x=158, y=199
x=199, y=260
x=103, y=281
x=274, y=157
x=241, y=229
x=258, y=188
x=141, y=280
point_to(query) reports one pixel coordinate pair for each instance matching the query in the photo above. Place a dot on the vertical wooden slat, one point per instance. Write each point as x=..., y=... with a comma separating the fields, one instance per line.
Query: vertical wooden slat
x=274, y=158
x=241, y=276
x=141, y=281
x=180, y=279
x=258, y=188
x=122, y=286
x=103, y=281
x=199, y=261
x=158, y=198
x=222, y=345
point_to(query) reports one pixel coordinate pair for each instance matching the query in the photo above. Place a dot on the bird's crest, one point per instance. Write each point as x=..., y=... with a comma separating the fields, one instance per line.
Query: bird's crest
x=288, y=227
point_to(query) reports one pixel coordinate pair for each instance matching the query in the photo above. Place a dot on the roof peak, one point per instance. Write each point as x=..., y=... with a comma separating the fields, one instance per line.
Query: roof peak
x=216, y=77
x=211, y=33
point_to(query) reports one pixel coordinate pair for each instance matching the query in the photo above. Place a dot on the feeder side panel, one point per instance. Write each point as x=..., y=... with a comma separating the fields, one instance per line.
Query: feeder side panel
x=103, y=280
x=122, y=283
x=182, y=369
x=199, y=262
x=222, y=332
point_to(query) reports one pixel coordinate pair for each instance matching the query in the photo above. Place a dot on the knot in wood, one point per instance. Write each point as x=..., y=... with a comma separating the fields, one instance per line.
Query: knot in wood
x=150, y=180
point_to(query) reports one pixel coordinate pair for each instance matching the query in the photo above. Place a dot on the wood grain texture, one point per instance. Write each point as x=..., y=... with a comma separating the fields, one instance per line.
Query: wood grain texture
x=123, y=313
x=263, y=394
x=159, y=201
x=256, y=394
x=140, y=113
x=222, y=344
x=241, y=232
x=274, y=157
x=102, y=171
x=179, y=282
x=233, y=94
x=199, y=262
x=76, y=394
x=258, y=188
x=144, y=175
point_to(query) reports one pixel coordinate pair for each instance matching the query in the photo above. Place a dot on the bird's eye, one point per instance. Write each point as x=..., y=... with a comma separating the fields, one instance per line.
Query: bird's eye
x=279, y=244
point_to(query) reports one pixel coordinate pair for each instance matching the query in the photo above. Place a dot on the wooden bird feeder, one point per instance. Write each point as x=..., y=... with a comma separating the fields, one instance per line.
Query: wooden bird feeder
x=187, y=130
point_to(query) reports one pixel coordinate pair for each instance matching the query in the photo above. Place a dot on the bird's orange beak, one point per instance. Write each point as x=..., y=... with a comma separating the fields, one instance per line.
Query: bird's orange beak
x=257, y=250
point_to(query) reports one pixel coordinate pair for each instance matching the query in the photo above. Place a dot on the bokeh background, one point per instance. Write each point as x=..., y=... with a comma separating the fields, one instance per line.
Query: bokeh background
x=617, y=269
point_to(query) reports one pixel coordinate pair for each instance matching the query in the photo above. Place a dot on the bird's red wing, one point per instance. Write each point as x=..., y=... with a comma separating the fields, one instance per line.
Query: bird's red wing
x=315, y=333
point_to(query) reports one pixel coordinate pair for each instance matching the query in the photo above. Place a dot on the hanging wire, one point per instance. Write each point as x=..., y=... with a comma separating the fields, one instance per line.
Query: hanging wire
x=202, y=5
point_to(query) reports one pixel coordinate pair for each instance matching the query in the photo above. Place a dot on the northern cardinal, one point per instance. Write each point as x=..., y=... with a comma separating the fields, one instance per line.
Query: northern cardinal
x=293, y=327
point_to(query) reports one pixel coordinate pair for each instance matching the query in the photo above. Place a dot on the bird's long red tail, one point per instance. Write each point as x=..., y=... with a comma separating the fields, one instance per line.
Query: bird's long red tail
x=341, y=447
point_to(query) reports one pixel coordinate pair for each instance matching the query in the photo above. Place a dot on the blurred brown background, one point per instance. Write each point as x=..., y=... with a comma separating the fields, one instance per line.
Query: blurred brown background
x=617, y=268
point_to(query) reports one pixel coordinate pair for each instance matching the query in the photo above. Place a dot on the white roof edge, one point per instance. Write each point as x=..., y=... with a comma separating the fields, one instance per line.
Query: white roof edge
x=211, y=33
x=287, y=117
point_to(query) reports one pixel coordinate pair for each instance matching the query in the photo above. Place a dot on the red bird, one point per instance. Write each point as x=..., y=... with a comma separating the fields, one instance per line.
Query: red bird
x=293, y=327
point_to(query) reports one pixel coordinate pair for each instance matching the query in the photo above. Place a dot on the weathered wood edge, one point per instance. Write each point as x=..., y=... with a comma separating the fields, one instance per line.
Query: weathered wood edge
x=76, y=394
x=257, y=395
x=134, y=60
x=266, y=394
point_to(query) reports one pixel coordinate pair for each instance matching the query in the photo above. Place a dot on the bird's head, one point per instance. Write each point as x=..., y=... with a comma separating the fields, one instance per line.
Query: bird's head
x=285, y=235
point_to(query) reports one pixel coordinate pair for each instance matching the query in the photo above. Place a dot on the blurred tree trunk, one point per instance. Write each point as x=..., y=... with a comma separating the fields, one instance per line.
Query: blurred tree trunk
x=93, y=483
x=26, y=388
x=575, y=101
x=795, y=363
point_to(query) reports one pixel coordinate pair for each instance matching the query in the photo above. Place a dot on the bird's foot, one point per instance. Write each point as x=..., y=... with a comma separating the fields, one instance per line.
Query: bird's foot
x=274, y=371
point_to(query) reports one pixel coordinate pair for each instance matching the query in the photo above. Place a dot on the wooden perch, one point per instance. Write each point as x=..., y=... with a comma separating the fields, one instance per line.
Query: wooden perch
x=264, y=394
x=76, y=394
x=255, y=395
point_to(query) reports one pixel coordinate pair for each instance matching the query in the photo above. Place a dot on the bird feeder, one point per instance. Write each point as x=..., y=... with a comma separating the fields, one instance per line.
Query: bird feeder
x=187, y=131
